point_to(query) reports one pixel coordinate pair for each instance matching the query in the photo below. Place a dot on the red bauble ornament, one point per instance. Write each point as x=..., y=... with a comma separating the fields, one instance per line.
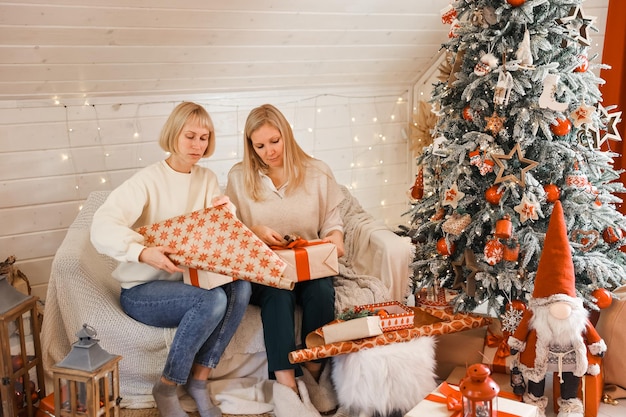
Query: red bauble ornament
x=553, y=193
x=584, y=64
x=603, y=297
x=492, y=195
x=467, y=114
x=443, y=248
x=612, y=235
x=494, y=251
x=561, y=127
x=516, y=3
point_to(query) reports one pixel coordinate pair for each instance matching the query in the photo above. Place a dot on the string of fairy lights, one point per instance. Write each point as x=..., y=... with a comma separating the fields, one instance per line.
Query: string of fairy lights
x=390, y=117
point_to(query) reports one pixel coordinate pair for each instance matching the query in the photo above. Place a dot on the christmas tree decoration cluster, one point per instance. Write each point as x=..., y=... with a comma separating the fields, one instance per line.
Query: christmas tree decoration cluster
x=521, y=125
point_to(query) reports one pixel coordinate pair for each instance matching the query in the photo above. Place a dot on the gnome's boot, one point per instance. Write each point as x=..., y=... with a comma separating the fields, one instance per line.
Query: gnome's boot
x=287, y=403
x=571, y=407
x=322, y=392
x=540, y=402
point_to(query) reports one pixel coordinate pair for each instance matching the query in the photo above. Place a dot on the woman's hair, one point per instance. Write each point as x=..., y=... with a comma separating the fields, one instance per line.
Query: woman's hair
x=184, y=112
x=294, y=158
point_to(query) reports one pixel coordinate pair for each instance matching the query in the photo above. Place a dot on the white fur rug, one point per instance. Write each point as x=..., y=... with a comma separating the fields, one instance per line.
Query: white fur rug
x=385, y=379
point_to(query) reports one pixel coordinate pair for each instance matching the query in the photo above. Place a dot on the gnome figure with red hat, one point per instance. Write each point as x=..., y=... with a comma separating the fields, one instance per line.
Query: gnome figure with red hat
x=555, y=334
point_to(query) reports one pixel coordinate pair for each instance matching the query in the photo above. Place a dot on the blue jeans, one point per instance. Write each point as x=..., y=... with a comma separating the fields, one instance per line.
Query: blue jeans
x=206, y=320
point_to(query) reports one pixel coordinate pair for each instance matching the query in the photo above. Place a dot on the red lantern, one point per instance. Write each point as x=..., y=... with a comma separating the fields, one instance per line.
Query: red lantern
x=479, y=392
x=603, y=297
x=504, y=227
x=467, y=114
x=584, y=64
x=612, y=235
x=561, y=127
x=553, y=193
x=444, y=249
x=492, y=195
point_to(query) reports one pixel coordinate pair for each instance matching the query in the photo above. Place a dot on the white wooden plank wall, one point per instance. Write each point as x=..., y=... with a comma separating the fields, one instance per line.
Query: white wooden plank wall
x=53, y=156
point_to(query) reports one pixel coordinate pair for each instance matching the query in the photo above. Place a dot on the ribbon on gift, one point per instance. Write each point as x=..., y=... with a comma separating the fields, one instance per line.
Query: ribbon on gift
x=302, y=256
x=452, y=398
x=503, y=350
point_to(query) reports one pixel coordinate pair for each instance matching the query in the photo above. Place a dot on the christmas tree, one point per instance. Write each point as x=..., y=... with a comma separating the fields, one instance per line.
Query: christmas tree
x=520, y=126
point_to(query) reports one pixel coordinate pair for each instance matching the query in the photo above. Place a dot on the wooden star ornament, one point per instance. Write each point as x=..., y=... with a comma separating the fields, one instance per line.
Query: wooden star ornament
x=521, y=180
x=466, y=283
x=612, y=133
x=578, y=25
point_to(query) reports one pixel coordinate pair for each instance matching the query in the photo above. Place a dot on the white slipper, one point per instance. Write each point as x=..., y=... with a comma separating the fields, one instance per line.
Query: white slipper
x=322, y=392
x=288, y=404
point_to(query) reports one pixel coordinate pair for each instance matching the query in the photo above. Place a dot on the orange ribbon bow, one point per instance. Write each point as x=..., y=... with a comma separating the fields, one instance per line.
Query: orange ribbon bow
x=501, y=342
x=302, y=257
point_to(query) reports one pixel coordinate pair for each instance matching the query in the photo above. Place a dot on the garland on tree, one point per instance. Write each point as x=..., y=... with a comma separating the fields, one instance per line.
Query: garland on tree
x=520, y=126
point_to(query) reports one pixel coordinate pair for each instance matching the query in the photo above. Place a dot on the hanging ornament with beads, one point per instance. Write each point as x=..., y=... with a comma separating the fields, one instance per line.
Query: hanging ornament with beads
x=488, y=62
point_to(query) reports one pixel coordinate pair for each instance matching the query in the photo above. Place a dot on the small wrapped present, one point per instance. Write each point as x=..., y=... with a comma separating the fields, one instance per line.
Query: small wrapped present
x=446, y=401
x=496, y=351
x=395, y=316
x=214, y=240
x=353, y=329
x=308, y=259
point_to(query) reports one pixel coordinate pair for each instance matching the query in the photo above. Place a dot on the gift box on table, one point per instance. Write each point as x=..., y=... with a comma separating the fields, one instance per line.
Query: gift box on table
x=215, y=240
x=308, y=259
x=590, y=392
x=436, y=405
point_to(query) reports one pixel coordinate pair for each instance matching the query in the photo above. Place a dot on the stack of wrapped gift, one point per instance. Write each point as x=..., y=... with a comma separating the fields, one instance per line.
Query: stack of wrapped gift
x=445, y=401
x=426, y=322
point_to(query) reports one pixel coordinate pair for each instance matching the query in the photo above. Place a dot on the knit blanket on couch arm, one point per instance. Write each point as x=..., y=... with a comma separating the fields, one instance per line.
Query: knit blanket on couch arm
x=355, y=286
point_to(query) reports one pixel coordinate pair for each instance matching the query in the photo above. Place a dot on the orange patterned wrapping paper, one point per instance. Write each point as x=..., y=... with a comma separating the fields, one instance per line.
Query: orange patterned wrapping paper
x=427, y=322
x=214, y=239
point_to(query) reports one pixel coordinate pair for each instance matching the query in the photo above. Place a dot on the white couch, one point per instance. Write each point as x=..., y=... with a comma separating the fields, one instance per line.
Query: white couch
x=81, y=290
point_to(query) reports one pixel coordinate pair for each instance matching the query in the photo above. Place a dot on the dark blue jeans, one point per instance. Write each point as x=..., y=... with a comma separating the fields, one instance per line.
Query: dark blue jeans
x=206, y=320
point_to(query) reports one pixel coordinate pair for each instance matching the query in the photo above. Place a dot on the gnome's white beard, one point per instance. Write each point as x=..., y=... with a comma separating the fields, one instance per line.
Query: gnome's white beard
x=556, y=332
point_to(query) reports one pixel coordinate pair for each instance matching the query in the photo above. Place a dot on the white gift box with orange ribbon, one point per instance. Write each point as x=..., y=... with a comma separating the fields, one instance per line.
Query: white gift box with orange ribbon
x=445, y=401
x=308, y=260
